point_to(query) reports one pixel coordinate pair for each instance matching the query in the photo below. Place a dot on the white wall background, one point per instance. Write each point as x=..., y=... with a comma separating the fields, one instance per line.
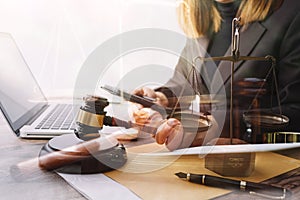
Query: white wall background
x=56, y=36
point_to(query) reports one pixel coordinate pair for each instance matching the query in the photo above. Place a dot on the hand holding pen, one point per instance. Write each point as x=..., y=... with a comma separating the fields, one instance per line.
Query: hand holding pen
x=257, y=189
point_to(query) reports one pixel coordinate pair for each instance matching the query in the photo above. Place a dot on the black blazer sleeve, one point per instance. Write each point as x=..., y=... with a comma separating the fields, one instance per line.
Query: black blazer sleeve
x=288, y=72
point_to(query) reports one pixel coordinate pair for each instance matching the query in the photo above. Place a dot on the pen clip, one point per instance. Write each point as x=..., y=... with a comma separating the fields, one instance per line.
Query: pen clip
x=283, y=196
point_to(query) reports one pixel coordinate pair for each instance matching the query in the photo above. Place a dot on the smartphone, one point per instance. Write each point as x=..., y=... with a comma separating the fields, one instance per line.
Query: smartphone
x=143, y=100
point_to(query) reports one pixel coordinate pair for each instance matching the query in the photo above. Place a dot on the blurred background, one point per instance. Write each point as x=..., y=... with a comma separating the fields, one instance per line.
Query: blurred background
x=56, y=36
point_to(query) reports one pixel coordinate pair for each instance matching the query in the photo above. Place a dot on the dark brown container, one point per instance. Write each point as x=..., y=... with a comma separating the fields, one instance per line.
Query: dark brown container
x=231, y=164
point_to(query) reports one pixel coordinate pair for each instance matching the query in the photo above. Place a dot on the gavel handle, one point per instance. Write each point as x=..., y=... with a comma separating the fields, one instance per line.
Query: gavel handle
x=78, y=152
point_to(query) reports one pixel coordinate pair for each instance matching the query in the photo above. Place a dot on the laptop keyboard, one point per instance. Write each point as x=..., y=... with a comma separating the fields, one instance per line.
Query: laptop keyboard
x=61, y=117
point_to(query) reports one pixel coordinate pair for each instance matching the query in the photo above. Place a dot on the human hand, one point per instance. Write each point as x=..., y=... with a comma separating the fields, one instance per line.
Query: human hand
x=147, y=116
x=170, y=133
x=159, y=97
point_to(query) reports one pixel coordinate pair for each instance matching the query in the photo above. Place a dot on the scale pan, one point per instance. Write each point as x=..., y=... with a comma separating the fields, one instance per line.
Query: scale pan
x=265, y=119
x=192, y=121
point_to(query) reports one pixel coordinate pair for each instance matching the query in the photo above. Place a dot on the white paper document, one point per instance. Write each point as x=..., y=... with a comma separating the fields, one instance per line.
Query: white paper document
x=98, y=186
x=242, y=148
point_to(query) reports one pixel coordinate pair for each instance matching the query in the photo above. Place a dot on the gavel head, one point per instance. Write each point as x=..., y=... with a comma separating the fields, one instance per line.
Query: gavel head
x=90, y=117
x=68, y=154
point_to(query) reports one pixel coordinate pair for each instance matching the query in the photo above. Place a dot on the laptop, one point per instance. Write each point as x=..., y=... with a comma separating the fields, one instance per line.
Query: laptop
x=22, y=101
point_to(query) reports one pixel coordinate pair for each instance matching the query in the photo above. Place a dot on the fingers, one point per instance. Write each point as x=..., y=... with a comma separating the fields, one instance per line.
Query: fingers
x=145, y=91
x=141, y=116
x=159, y=97
x=170, y=133
x=147, y=116
x=149, y=92
x=132, y=108
x=139, y=92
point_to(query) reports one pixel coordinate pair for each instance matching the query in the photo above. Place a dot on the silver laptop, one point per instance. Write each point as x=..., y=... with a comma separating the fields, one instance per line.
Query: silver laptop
x=23, y=103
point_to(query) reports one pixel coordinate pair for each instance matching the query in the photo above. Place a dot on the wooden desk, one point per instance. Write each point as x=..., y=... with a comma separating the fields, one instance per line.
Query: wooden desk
x=38, y=184
x=35, y=185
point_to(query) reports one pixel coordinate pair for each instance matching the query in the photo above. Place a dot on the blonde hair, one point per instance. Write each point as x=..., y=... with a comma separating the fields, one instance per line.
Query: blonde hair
x=201, y=18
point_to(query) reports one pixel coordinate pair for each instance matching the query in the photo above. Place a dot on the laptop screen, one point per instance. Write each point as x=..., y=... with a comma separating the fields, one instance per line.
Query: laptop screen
x=20, y=96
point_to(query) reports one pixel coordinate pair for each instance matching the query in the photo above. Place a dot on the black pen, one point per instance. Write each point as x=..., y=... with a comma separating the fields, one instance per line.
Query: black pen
x=259, y=189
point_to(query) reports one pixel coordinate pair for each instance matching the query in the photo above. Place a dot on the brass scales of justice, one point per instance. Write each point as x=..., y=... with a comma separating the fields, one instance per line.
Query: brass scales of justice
x=242, y=164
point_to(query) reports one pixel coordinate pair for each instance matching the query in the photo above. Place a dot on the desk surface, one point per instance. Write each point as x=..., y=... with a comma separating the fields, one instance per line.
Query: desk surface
x=38, y=184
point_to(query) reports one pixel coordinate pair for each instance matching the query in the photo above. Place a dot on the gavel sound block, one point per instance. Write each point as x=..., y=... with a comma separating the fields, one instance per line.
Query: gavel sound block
x=69, y=154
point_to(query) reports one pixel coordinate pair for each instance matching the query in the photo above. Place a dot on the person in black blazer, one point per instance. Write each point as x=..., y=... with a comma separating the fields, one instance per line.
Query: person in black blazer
x=267, y=27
